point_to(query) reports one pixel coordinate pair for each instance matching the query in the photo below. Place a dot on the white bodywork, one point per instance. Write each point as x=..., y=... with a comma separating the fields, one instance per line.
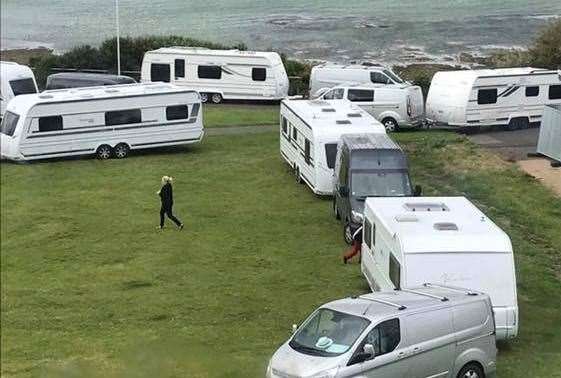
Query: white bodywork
x=309, y=129
x=330, y=75
x=236, y=70
x=549, y=142
x=10, y=74
x=491, y=97
x=406, y=249
x=82, y=126
x=403, y=103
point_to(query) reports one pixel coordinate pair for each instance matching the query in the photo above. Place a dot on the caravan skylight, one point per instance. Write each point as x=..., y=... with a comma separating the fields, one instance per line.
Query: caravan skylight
x=343, y=122
x=445, y=226
x=426, y=206
x=354, y=115
x=328, y=110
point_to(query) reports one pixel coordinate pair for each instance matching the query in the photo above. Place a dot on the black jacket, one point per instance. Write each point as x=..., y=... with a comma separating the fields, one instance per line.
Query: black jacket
x=166, y=195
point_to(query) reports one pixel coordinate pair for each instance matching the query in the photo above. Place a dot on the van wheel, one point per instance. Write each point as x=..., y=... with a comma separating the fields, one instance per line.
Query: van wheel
x=204, y=97
x=103, y=152
x=471, y=370
x=336, y=210
x=216, y=98
x=390, y=124
x=348, y=233
x=297, y=175
x=121, y=150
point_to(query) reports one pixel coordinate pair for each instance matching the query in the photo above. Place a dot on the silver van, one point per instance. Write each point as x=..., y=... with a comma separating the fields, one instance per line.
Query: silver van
x=430, y=331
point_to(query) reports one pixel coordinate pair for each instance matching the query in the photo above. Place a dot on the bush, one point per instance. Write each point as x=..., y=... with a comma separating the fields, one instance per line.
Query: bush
x=546, y=51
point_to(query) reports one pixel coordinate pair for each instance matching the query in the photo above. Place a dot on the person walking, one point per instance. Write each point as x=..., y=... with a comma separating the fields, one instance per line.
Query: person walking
x=166, y=196
x=355, y=248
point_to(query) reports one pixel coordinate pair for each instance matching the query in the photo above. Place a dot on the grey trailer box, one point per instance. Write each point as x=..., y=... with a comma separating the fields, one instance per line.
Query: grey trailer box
x=549, y=142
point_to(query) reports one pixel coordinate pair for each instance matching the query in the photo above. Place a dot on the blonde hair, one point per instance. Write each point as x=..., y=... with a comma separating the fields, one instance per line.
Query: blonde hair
x=166, y=179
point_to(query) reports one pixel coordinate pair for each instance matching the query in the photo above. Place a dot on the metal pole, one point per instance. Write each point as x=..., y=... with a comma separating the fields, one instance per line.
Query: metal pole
x=118, y=38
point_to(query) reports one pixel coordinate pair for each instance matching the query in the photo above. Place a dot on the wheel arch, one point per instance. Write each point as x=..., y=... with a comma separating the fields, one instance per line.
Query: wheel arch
x=470, y=356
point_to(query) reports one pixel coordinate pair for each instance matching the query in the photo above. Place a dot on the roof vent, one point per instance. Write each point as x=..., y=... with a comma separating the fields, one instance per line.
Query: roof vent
x=445, y=226
x=343, y=122
x=403, y=218
x=354, y=115
x=328, y=110
x=426, y=206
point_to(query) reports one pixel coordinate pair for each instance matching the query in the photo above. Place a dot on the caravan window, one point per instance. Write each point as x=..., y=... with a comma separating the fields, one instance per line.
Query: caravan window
x=123, y=117
x=259, y=74
x=177, y=112
x=284, y=125
x=487, y=96
x=160, y=72
x=294, y=133
x=23, y=86
x=367, y=232
x=360, y=95
x=379, y=78
x=180, y=68
x=209, y=72
x=555, y=92
x=330, y=154
x=307, y=148
x=52, y=123
x=395, y=271
x=9, y=123
x=532, y=91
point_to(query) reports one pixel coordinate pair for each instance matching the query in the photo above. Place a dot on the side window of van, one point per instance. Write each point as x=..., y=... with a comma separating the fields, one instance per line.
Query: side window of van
x=428, y=325
x=123, y=117
x=209, y=72
x=53, y=123
x=487, y=96
x=258, y=74
x=180, y=68
x=470, y=315
x=360, y=95
x=367, y=233
x=160, y=72
x=334, y=94
x=385, y=337
x=379, y=78
x=555, y=92
x=177, y=112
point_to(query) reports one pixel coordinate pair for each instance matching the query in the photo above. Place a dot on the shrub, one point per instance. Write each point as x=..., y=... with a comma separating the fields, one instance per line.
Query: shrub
x=546, y=50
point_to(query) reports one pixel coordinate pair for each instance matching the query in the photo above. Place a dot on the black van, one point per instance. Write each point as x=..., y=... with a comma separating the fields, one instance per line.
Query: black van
x=367, y=165
x=65, y=80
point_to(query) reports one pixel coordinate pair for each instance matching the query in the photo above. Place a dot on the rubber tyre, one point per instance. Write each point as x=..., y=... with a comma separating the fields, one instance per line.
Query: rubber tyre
x=104, y=152
x=121, y=150
x=216, y=98
x=204, y=97
x=390, y=124
x=471, y=370
x=348, y=233
x=336, y=210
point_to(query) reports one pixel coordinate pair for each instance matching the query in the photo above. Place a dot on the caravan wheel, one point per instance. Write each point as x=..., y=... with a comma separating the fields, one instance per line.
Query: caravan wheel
x=103, y=152
x=390, y=124
x=216, y=98
x=204, y=97
x=121, y=150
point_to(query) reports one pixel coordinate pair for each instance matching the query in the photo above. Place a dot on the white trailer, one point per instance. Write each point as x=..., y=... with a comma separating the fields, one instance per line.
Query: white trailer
x=442, y=240
x=549, y=142
x=309, y=133
x=329, y=75
x=512, y=97
x=15, y=80
x=219, y=74
x=107, y=121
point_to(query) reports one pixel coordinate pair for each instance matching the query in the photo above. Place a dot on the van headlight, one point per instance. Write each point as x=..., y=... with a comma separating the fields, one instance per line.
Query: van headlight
x=330, y=373
x=357, y=217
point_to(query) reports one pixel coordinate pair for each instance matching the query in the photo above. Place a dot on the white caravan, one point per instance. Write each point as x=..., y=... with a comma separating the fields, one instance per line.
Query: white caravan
x=15, y=80
x=442, y=240
x=329, y=75
x=396, y=106
x=106, y=121
x=512, y=97
x=219, y=74
x=309, y=133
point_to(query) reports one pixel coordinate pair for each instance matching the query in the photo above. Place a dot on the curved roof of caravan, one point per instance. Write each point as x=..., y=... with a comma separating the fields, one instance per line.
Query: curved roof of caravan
x=334, y=116
x=180, y=50
x=8, y=69
x=439, y=224
x=24, y=102
x=499, y=72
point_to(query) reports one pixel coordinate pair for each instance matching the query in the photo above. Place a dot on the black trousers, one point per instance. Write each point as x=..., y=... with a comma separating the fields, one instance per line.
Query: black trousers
x=166, y=210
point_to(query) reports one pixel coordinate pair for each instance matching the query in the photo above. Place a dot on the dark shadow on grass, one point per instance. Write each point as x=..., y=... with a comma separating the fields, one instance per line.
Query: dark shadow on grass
x=136, y=284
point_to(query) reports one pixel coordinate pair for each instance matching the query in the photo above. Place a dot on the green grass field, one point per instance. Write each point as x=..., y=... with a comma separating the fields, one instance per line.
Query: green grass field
x=91, y=288
x=226, y=115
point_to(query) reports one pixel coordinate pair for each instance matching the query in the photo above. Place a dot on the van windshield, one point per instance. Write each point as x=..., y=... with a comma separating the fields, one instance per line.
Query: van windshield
x=9, y=123
x=23, y=86
x=328, y=333
x=380, y=184
x=393, y=76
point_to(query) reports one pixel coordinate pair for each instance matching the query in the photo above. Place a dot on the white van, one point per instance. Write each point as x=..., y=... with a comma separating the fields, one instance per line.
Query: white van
x=444, y=240
x=309, y=133
x=107, y=121
x=423, y=332
x=329, y=75
x=512, y=97
x=396, y=106
x=219, y=74
x=15, y=80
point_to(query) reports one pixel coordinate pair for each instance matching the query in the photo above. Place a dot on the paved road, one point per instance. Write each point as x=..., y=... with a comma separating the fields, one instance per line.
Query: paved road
x=510, y=145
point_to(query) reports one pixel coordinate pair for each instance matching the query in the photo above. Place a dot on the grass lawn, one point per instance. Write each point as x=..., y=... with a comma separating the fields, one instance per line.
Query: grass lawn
x=225, y=115
x=91, y=288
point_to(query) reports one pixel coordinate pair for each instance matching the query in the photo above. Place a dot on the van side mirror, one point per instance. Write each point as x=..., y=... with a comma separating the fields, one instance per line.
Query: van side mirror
x=343, y=191
x=366, y=354
x=418, y=190
x=369, y=350
x=294, y=328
